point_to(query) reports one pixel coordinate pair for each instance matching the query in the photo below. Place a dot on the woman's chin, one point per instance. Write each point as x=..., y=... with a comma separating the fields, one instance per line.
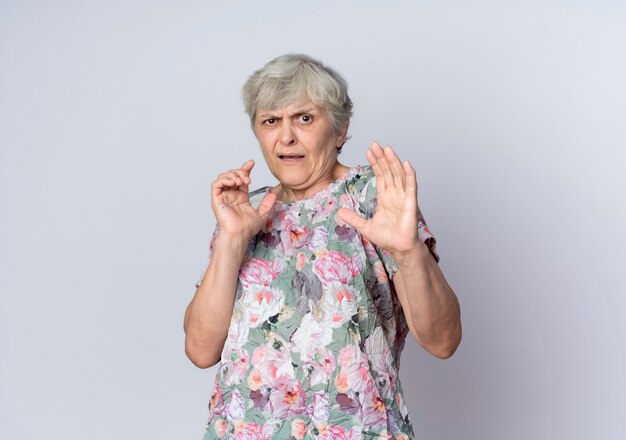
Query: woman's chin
x=294, y=180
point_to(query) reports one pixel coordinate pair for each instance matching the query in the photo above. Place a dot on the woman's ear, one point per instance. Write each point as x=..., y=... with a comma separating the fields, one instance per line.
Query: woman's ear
x=343, y=135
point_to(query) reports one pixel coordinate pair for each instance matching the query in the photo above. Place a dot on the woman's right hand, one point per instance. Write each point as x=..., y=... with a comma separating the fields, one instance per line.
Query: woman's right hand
x=231, y=205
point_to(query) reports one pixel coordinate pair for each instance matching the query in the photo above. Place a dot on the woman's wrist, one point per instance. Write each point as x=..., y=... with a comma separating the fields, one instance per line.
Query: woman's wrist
x=232, y=243
x=416, y=253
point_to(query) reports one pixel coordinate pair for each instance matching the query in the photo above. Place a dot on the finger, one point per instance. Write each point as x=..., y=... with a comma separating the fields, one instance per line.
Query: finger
x=396, y=167
x=355, y=220
x=222, y=185
x=247, y=165
x=411, y=178
x=238, y=177
x=245, y=169
x=266, y=205
x=373, y=161
x=379, y=153
x=217, y=186
x=228, y=181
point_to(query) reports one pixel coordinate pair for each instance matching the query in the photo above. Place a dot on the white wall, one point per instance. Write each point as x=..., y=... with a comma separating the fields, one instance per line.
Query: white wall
x=115, y=117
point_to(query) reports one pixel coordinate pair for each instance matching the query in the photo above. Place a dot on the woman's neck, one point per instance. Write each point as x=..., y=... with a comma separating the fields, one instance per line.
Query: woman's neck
x=289, y=194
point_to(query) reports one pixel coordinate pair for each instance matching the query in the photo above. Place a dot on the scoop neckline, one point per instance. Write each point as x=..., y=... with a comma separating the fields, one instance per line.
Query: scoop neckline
x=351, y=171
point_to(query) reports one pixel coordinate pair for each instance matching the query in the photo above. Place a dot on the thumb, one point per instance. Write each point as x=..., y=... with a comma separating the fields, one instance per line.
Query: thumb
x=355, y=220
x=266, y=205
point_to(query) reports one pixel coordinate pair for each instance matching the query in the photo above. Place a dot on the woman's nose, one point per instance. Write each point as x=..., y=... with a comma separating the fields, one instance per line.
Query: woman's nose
x=287, y=135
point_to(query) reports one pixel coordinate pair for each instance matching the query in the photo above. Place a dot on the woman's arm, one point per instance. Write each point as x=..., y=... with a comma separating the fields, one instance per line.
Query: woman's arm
x=208, y=316
x=430, y=306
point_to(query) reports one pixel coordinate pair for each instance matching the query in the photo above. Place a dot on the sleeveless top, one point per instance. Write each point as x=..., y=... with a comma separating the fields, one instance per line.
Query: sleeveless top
x=313, y=348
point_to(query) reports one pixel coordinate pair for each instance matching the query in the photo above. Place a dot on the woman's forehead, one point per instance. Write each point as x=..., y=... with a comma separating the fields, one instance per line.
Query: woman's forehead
x=304, y=105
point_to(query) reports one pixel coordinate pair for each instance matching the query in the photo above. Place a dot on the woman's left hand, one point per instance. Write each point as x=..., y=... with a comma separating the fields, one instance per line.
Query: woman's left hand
x=394, y=224
x=430, y=307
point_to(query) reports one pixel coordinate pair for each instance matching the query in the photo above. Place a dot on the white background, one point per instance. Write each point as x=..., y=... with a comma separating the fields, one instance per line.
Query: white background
x=115, y=116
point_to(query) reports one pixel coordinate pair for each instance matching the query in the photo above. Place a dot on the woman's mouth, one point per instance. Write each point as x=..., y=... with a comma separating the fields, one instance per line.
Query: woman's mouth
x=290, y=157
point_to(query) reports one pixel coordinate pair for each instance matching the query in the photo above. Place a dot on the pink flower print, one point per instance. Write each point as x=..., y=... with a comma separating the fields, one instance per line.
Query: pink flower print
x=270, y=366
x=255, y=379
x=335, y=266
x=354, y=373
x=298, y=236
x=374, y=412
x=267, y=431
x=237, y=330
x=310, y=337
x=300, y=261
x=294, y=238
x=298, y=429
x=236, y=409
x=320, y=408
x=246, y=431
x=346, y=356
x=346, y=201
x=216, y=404
x=320, y=207
x=260, y=303
x=235, y=367
x=341, y=382
x=339, y=304
x=332, y=432
x=320, y=210
x=318, y=239
x=253, y=431
x=323, y=364
x=259, y=355
x=328, y=206
x=350, y=379
x=220, y=426
x=258, y=271
x=287, y=398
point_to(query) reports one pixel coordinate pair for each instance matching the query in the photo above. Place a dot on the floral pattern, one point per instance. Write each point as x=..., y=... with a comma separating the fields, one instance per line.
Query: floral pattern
x=314, y=344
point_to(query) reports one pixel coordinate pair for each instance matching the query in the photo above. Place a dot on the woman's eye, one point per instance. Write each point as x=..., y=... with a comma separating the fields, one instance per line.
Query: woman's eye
x=306, y=118
x=270, y=121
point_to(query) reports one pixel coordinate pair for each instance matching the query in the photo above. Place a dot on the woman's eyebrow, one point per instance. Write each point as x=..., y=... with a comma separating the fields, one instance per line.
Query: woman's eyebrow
x=302, y=111
x=267, y=115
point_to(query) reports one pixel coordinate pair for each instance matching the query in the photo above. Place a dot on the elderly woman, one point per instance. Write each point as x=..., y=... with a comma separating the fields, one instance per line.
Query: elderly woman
x=313, y=284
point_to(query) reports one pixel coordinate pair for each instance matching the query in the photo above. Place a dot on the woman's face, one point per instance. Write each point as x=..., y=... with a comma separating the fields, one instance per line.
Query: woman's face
x=300, y=147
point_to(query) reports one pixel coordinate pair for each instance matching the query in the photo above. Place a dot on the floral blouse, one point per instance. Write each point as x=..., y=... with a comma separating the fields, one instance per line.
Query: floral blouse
x=314, y=344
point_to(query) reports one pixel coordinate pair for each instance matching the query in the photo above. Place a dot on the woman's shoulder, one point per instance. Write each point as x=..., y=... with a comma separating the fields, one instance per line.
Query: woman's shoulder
x=362, y=173
x=362, y=183
x=359, y=178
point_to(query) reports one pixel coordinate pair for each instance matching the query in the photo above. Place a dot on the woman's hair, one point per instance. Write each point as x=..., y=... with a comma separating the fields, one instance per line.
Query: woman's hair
x=292, y=78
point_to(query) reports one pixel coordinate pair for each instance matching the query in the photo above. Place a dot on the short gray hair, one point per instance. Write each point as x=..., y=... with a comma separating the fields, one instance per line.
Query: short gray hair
x=291, y=78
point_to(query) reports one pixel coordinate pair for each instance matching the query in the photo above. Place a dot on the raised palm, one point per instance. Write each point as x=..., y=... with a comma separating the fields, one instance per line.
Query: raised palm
x=394, y=224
